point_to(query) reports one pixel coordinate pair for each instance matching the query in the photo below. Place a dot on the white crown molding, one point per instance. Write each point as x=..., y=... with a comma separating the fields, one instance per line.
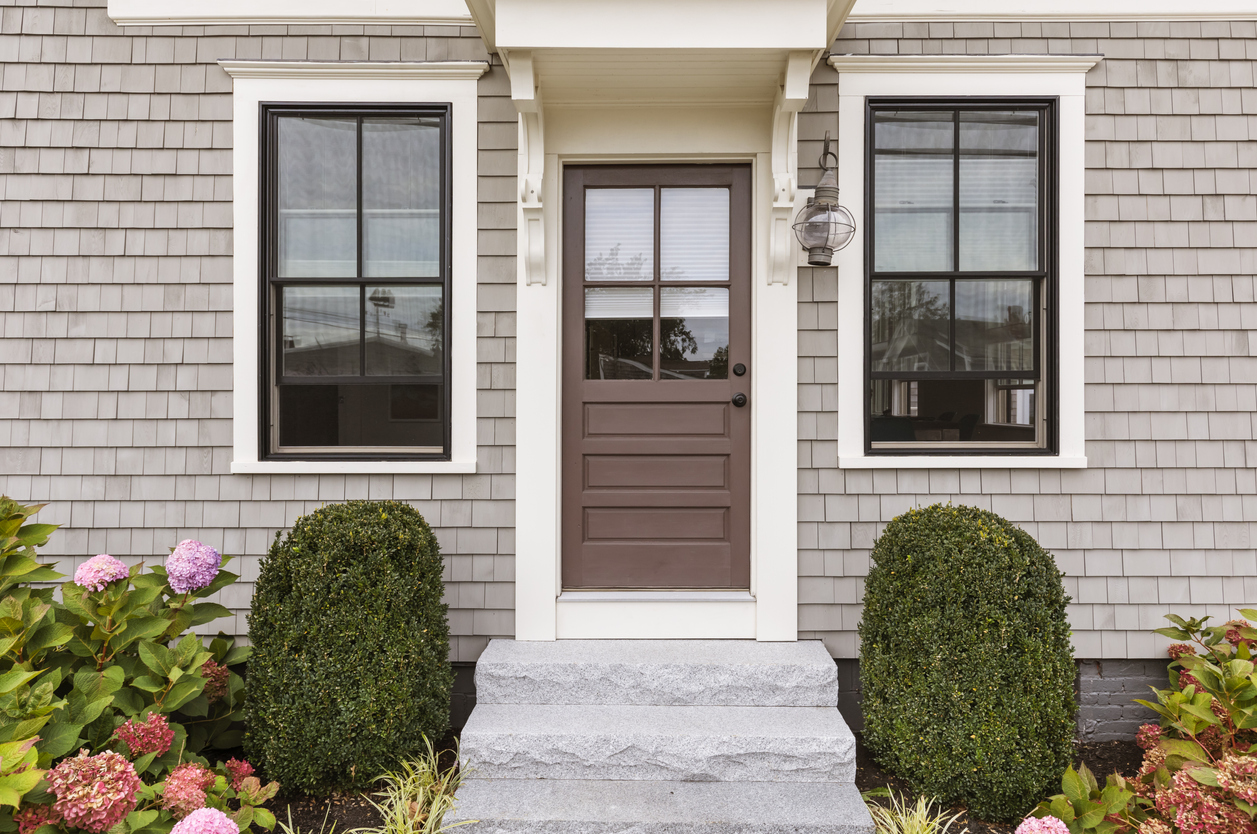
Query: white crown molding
x=964, y=63
x=909, y=11
x=289, y=12
x=433, y=70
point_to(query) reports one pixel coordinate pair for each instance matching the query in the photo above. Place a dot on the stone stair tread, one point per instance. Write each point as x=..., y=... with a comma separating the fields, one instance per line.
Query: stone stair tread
x=660, y=807
x=657, y=672
x=687, y=743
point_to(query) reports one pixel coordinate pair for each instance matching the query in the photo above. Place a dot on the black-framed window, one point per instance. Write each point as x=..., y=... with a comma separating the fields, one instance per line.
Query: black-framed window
x=355, y=281
x=960, y=276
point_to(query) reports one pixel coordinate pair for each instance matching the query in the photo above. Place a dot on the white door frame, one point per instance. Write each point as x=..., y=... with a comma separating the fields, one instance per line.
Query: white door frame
x=729, y=133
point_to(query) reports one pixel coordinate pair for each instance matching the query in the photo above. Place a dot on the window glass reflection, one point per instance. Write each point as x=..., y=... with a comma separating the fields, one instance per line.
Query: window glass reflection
x=999, y=191
x=331, y=416
x=953, y=411
x=911, y=326
x=914, y=171
x=694, y=333
x=321, y=327
x=318, y=197
x=404, y=330
x=401, y=197
x=619, y=331
x=619, y=234
x=995, y=325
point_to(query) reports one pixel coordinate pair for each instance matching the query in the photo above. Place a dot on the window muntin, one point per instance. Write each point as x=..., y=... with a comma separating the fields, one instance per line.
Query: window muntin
x=355, y=226
x=959, y=275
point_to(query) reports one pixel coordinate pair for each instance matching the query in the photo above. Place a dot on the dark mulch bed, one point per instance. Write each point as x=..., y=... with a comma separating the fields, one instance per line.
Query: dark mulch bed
x=351, y=810
x=1102, y=758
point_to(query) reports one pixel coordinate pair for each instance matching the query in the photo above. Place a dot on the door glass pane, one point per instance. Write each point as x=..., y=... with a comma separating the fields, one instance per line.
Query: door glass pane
x=619, y=234
x=401, y=197
x=694, y=234
x=995, y=325
x=913, y=207
x=619, y=325
x=329, y=416
x=694, y=333
x=405, y=326
x=320, y=331
x=910, y=326
x=318, y=197
x=999, y=191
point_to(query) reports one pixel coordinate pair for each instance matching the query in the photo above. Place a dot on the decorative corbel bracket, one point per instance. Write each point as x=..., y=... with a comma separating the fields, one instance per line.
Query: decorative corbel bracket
x=527, y=99
x=790, y=99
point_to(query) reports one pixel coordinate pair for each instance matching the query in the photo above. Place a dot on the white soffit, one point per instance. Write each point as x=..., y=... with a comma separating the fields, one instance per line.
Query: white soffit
x=303, y=12
x=879, y=11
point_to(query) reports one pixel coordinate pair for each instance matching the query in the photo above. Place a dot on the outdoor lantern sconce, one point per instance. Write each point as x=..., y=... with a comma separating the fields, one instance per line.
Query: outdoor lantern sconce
x=823, y=227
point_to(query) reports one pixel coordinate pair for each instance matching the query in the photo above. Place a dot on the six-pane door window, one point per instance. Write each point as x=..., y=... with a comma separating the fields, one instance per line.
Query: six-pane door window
x=356, y=282
x=959, y=275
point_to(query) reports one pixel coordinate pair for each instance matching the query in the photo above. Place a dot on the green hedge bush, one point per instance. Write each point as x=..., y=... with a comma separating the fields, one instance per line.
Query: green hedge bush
x=966, y=666
x=350, y=666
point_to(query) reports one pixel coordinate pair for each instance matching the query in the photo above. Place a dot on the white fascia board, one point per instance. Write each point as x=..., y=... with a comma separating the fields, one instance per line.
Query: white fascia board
x=363, y=83
x=661, y=24
x=303, y=12
x=885, y=11
x=1012, y=76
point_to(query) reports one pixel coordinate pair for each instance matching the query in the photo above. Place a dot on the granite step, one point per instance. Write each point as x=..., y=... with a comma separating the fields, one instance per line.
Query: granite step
x=655, y=807
x=657, y=673
x=659, y=743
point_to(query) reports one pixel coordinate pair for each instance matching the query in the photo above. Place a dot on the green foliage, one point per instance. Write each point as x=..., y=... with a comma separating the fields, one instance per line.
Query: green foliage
x=1198, y=766
x=898, y=816
x=417, y=796
x=73, y=670
x=350, y=666
x=1086, y=807
x=966, y=665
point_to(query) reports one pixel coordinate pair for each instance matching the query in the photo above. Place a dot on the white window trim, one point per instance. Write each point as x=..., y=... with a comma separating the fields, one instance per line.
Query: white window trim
x=963, y=75
x=303, y=12
x=444, y=82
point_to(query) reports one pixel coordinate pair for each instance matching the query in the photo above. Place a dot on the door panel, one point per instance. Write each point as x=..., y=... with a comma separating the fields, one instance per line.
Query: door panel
x=656, y=317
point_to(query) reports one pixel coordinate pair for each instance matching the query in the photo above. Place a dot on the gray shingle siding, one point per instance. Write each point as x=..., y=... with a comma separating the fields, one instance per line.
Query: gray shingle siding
x=1162, y=520
x=115, y=322
x=115, y=301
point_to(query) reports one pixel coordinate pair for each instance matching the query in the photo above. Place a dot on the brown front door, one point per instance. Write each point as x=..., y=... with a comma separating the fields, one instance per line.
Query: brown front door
x=656, y=371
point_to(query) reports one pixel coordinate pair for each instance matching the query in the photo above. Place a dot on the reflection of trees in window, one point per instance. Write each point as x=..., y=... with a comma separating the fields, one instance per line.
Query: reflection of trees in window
x=910, y=326
x=608, y=267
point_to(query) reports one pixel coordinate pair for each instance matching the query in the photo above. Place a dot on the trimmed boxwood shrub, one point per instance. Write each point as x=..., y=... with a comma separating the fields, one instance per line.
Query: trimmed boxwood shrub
x=350, y=666
x=966, y=666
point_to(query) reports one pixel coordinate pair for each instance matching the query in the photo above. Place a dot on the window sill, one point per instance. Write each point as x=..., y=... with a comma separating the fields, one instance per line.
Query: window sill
x=962, y=462
x=352, y=467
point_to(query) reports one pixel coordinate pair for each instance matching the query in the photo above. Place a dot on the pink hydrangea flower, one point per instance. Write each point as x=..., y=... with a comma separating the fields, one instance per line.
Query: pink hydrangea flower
x=1197, y=809
x=99, y=571
x=239, y=771
x=206, y=821
x=1149, y=736
x=151, y=736
x=31, y=817
x=215, y=680
x=1042, y=825
x=94, y=792
x=185, y=789
x=192, y=566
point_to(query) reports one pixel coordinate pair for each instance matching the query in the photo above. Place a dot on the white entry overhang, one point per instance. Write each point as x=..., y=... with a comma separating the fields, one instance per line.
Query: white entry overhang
x=616, y=81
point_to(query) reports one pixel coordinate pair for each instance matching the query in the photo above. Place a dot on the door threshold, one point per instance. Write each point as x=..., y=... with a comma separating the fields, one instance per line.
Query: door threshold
x=655, y=615
x=656, y=596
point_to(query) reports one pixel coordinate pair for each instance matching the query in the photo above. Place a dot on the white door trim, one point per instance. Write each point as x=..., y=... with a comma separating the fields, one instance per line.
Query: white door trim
x=638, y=135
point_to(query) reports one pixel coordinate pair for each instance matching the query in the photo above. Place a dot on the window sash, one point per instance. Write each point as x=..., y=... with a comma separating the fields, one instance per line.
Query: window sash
x=271, y=334
x=1042, y=376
